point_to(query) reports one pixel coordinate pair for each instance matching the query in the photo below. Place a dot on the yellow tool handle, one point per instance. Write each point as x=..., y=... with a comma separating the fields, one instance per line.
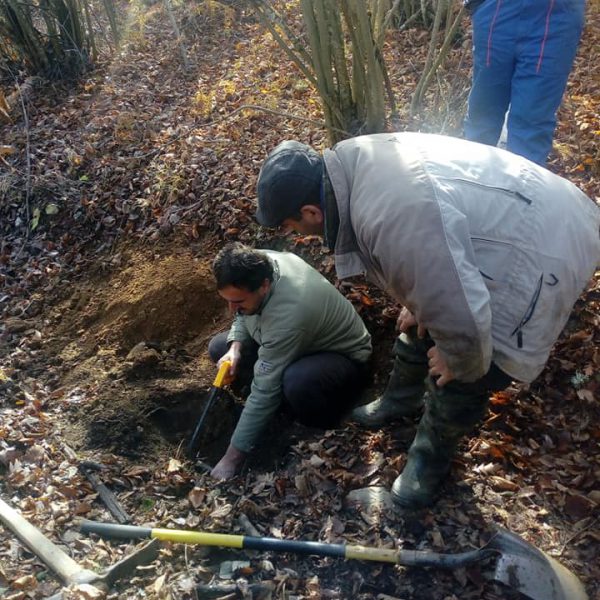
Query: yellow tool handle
x=222, y=377
x=198, y=537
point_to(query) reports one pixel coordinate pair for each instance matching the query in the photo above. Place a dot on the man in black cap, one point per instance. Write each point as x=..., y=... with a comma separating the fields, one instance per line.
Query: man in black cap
x=486, y=252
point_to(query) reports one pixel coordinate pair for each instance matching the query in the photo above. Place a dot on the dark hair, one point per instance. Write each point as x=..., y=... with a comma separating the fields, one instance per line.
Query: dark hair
x=242, y=267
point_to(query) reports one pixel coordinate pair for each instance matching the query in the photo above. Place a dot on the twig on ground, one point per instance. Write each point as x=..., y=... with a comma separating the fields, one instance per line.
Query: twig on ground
x=189, y=569
x=247, y=526
x=575, y=535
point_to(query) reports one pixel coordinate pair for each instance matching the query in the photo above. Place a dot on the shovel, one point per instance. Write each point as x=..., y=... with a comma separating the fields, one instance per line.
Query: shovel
x=221, y=379
x=518, y=564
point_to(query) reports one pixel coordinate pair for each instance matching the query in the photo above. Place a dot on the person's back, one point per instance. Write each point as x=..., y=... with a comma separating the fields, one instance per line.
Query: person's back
x=303, y=300
x=458, y=213
x=486, y=253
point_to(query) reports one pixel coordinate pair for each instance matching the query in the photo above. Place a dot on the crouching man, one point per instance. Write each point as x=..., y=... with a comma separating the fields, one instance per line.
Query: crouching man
x=308, y=346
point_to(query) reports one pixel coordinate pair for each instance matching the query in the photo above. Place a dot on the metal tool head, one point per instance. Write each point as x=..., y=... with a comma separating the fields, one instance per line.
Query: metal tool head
x=533, y=573
x=221, y=380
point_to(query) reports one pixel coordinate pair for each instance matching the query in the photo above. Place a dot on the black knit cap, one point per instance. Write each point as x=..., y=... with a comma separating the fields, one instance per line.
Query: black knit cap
x=289, y=178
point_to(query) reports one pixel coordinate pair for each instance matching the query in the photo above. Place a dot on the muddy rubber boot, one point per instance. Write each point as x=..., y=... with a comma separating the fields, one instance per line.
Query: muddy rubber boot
x=427, y=465
x=449, y=415
x=403, y=395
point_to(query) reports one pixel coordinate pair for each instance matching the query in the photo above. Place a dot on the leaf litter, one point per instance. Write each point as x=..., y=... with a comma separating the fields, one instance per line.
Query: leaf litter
x=138, y=177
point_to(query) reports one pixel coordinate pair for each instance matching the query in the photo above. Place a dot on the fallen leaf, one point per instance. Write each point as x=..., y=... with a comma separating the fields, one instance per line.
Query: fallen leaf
x=578, y=506
x=222, y=511
x=197, y=497
x=174, y=465
x=27, y=582
x=83, y=591
x=502, y=484
x=159, y=583
x=594, y=496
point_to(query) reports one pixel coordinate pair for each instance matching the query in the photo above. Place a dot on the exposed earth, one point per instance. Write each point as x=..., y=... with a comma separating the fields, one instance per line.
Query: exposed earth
x=108, y=307
x=141, y=350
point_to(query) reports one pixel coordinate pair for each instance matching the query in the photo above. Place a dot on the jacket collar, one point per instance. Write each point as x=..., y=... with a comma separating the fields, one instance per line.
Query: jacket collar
x=330, y=212
x=339, y=234
x=269, y=294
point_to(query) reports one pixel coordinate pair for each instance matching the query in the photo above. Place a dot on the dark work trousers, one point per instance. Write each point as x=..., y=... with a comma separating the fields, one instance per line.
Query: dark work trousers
x=318, y=389
x=457, y=406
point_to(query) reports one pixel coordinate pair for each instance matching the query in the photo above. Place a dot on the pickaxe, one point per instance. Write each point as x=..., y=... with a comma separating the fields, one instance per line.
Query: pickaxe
x=69, y=571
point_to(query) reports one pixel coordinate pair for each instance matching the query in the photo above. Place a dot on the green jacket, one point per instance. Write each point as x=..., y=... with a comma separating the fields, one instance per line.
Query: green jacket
x=302, y=314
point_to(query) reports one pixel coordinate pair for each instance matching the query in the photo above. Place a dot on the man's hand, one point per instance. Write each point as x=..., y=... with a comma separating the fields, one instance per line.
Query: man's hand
x=233, y=355
x=406, y=320
x=438, y=366
x=230, y=464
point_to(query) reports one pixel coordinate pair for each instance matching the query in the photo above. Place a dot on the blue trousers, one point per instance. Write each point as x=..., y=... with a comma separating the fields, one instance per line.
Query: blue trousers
x=318, y=389
x=523, y=51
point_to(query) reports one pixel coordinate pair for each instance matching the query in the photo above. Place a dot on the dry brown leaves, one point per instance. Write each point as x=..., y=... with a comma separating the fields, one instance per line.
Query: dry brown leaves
x=141, y=150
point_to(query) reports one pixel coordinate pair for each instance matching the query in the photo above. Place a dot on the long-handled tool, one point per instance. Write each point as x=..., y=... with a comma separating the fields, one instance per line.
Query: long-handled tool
x=518, y=564
x=69, y=571
x=221, y=379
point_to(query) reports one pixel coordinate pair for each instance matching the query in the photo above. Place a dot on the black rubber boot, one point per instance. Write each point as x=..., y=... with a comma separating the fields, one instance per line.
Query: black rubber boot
x=450, y=414
x=403, y=395
x=427, y=465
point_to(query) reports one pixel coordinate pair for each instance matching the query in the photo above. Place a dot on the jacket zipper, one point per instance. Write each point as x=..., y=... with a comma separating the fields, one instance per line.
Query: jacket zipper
x=515, y=193
x=518, y=330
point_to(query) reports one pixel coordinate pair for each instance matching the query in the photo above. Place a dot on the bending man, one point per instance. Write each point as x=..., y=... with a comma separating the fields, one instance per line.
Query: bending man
x=306, y=343
x=486, y=251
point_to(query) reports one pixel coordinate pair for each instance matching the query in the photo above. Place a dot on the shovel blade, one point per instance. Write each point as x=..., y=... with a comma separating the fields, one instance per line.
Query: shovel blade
x=532, y=572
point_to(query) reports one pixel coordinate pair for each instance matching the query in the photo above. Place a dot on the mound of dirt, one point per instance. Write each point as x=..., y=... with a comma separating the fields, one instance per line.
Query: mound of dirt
x=165, y=302
x=170, y=299
x=135, y=342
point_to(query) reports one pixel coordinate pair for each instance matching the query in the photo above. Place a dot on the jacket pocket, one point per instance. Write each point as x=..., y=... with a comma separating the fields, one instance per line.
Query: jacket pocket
x=490, y=187
x=494, y=260
x=513, y=298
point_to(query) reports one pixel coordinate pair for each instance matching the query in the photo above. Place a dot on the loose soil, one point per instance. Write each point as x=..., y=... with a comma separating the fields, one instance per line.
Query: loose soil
x=138, y=355
x=131, y=346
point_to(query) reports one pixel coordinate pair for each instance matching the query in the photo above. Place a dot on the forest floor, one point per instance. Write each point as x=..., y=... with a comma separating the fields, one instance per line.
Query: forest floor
x=116, y=193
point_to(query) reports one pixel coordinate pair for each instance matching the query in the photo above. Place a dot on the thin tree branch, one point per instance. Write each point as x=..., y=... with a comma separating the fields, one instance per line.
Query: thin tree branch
x=180, y=42
x=28, y=163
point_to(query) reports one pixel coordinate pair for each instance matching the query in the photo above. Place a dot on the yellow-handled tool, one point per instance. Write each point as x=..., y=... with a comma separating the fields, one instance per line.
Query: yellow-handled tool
x=221, y=380
x=518, y=563
x=225, y=540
